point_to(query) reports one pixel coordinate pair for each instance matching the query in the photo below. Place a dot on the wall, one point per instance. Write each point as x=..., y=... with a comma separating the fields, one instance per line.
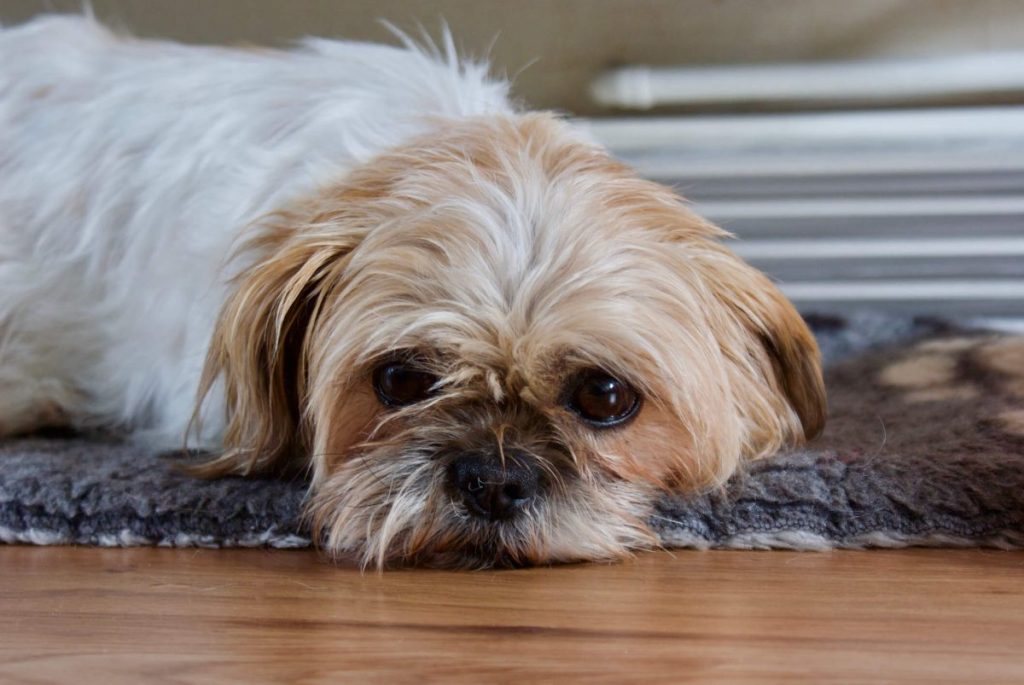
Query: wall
x=556, y=47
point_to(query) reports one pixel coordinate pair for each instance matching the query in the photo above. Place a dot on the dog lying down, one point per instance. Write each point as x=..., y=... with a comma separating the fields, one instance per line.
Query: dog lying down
x=488, y=342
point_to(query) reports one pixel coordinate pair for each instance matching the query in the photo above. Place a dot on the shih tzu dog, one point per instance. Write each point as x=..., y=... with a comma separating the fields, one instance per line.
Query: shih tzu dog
x=486, y=341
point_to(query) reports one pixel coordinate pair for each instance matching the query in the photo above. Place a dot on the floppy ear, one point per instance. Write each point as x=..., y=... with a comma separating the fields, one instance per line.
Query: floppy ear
x=770, y=318
x=259, y=349
x=750, y=298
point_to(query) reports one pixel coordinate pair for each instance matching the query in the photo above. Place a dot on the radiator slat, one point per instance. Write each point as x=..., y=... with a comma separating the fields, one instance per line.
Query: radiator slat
x=800, y=270
x=919, y=211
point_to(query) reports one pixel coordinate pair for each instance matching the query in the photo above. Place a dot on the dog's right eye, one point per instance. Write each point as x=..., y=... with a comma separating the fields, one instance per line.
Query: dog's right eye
x=398, y=384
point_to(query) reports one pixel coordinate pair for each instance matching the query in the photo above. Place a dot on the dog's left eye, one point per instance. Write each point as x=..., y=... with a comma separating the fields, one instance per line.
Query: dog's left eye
x=602, y=400
x=398, y=384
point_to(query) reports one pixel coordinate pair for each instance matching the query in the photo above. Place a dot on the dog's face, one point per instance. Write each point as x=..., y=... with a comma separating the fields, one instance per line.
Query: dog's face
x=498, y=347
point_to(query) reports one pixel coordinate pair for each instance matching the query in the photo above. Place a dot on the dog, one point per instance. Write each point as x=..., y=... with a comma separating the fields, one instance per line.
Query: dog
x=485, y=341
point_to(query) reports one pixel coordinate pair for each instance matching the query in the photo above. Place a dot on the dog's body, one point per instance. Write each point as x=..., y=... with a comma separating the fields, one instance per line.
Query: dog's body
x=487, y=341
x=130, y=170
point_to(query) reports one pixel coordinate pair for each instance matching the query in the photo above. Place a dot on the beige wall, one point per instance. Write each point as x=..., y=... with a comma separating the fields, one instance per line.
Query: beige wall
x=568, y=41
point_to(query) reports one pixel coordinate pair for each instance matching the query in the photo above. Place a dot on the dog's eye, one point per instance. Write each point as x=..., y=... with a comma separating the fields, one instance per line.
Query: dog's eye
x=398, y=384
x=602, y=400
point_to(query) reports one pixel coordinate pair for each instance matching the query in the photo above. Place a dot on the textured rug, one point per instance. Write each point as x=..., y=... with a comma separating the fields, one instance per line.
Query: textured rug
x=925, y=446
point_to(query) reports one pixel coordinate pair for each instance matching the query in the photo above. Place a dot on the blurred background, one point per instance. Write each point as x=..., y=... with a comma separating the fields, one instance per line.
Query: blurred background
x=867, y=154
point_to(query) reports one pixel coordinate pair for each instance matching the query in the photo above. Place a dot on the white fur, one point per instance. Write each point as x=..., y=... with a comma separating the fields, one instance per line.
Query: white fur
x=130, y=170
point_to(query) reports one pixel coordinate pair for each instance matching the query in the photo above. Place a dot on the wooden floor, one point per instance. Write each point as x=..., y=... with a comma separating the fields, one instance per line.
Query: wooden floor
x=74, y=615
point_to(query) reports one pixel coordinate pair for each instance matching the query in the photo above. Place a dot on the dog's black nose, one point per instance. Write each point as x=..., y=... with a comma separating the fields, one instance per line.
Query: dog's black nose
x=492, y=489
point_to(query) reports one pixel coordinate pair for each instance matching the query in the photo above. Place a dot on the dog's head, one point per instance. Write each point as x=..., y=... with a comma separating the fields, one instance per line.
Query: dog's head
x=498, y=346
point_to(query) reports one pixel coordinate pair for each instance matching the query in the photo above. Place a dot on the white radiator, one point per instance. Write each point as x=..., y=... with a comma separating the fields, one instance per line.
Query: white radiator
x=914, y=210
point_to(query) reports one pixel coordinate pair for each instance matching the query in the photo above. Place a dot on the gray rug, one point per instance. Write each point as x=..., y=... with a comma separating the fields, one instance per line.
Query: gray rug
x=925, y=447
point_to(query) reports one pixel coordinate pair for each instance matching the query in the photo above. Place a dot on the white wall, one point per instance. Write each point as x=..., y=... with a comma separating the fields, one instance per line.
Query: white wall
x=572, y=40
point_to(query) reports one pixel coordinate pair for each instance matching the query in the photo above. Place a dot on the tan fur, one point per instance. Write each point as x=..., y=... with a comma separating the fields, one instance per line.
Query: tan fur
x=948, y=345
x=921, y=371
x=1013, y=421
x=507, y=255
x=1006, y=357
x=929, y=374
x=942, y=394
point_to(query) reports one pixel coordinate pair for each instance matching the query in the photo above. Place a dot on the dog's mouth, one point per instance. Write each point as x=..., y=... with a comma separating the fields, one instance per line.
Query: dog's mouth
x=466, y=510
x=464, y=541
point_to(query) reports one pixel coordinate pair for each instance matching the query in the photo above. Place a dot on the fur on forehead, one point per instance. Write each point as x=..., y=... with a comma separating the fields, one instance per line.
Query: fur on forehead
x=507, y=250
x=504, y=242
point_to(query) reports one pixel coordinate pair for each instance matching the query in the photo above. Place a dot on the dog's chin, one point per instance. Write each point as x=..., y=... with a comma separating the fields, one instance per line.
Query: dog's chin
x=388, y=513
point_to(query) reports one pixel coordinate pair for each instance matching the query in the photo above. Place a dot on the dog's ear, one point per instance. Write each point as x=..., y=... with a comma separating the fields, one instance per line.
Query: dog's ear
x=792, y=350
x=785, y=347
x=769, y=318
x=259, y=348
x=769, y=321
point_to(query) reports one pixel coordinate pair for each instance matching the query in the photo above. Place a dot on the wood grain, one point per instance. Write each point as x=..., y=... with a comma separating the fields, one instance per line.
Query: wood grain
x=203, y=616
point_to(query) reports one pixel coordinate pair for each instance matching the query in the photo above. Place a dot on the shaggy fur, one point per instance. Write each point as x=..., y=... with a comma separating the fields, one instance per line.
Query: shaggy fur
x=262, y=229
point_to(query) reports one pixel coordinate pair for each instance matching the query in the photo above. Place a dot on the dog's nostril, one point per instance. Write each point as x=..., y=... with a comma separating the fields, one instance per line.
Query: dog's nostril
x=492, y=489
x=514, y=492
